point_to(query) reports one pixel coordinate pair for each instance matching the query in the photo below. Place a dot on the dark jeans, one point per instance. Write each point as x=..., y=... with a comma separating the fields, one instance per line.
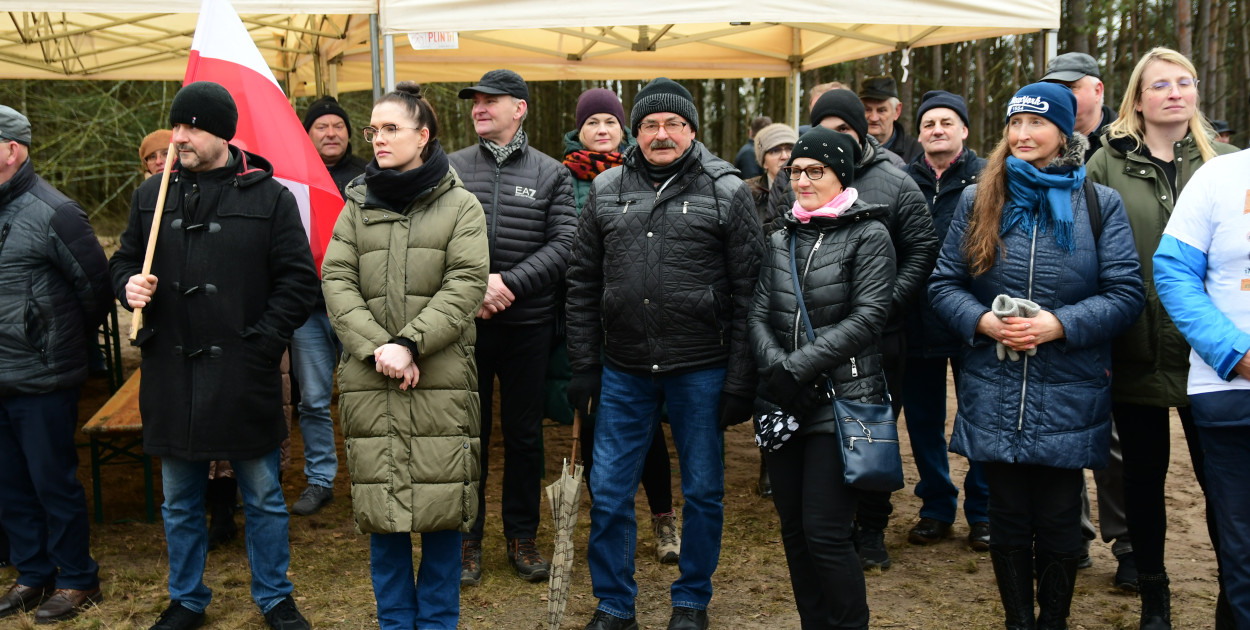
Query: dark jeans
x=1035, y=504
x=924, y=398
x=657, y=472
x=817, y=525
x=1222, y=422
x=1145, y=441
x=43, y=508
x=875, y=507
x=518, y=356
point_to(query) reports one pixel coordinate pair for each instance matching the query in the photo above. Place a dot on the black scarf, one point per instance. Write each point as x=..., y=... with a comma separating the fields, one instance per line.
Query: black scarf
x=661, y=174
x=395, y=190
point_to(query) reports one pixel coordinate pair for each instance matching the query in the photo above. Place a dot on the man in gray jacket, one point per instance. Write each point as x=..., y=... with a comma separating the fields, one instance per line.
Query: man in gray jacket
x=54, y=290
x=528, y=200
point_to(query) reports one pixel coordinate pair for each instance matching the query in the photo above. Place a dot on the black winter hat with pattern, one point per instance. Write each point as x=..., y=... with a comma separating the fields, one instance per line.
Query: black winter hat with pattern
x=837, y=151
x=845, y=105
x=663, y=95
x=205, y=105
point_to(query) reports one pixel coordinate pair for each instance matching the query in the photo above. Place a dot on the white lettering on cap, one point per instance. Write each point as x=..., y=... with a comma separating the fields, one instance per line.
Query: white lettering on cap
x=1027, y=105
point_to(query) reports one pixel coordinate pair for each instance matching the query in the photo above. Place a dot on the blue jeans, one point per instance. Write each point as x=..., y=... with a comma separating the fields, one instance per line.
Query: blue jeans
x=629, y=415
x=1223, y=423
x=186, y=533
x=434, y=601
x=42, y=504
x=924, y=403
x=314, y=353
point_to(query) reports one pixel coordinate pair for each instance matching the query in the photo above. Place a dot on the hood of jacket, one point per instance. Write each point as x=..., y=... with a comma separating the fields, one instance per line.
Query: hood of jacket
x=859, y=211
x=699, y=158
x=243, y=170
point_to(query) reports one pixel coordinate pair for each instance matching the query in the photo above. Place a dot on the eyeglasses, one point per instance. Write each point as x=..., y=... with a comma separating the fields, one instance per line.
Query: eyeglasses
x=781, y=148
x=156, y=156
x=673, y=127
x=386, y=132
x=1165, y=87
x=813, y=172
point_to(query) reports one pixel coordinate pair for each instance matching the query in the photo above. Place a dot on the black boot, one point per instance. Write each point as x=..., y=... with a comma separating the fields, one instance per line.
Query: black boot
x=1223, y=612
x=1013, y=569
x=1056, y=578
x=1156, y=601
x=220, y=498
x=765, y=484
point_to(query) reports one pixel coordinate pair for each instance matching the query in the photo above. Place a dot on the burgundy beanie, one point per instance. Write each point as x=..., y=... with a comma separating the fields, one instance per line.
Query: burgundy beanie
x=599, y=101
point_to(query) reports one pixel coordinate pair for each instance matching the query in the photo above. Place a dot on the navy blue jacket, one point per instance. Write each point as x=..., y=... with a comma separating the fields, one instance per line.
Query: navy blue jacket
x=1052, y=409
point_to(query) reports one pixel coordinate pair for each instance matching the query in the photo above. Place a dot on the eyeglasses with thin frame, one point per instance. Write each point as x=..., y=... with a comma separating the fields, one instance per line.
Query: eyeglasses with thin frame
x=813, y=172
x=385, y=131
x=156, y=156
x=781, y=148
x=673, y=127
x=1165, y=87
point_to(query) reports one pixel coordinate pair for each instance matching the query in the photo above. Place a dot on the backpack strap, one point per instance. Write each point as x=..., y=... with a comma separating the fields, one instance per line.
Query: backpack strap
x=1094, y=209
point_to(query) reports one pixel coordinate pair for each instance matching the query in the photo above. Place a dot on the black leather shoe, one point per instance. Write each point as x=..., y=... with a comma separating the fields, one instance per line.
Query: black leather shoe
x=979, y=536
x=21, y=598
x=928, y=531
x=66, y=603
x=687, y=619
x=178, y=617
x=1126, y=572
x=604, y=621
x=285, y=616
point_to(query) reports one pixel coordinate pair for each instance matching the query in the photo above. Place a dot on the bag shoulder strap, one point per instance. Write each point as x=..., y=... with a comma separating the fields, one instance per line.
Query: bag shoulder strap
x=1094, y=209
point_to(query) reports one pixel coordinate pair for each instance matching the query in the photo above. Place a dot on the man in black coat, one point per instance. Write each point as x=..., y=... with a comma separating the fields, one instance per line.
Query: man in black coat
x=236, y=278
x=528, y=200
x=667, y=254
x=53, y=291
x=883, y=110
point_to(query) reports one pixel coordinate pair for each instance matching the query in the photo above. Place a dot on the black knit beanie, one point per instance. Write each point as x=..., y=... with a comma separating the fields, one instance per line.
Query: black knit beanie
x=837, y=151
x=845, y=105
x=663, y=95
x=321, y=107
x=934, y=99
x=205, y=105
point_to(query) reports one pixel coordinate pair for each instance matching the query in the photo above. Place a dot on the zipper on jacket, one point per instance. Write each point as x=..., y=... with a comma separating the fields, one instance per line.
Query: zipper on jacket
x=937, y=190
x=4, y=235
x=798, y=322
x=1024, y=381
x=494, y=210
x=685, y=205
x=626, y=209
x=854, y=368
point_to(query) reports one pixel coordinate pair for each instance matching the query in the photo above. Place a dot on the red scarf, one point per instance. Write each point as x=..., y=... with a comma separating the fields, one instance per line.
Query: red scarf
x=587, y=164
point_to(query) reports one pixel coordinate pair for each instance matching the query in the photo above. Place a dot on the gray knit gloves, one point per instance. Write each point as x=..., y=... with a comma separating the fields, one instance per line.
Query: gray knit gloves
x=1005, y=306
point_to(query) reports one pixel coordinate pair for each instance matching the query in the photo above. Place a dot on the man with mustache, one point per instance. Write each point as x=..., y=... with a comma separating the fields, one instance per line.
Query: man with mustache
x=528, y=200
x=667, y=253
x=232, y=277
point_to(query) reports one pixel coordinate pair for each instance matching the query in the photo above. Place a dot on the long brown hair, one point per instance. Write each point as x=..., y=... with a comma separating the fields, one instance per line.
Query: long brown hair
x=982, y=240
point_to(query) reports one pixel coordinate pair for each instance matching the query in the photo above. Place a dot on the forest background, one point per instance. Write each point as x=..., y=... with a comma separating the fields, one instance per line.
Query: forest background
x=86, y=133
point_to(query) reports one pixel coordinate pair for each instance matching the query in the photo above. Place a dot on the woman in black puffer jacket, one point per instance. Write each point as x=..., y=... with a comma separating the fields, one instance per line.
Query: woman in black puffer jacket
x=845, y=263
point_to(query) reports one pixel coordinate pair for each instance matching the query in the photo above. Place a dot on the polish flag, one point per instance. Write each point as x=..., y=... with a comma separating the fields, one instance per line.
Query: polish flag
x=223, y=52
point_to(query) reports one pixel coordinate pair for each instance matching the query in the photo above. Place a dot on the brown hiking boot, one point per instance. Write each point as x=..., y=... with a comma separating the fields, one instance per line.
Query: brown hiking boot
x=667, y=540
x=529, y=564
x=470, y=562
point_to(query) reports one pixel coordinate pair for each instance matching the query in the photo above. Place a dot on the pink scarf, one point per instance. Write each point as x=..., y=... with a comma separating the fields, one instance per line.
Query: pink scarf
x=834, y=208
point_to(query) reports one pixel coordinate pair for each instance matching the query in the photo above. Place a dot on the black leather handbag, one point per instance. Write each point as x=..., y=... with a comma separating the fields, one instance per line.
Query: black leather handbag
x=868, y=432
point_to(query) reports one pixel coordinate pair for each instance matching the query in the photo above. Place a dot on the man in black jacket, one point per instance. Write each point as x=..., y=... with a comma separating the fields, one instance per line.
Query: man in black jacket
x=53, y=290
x=528, y=201
x=945, y=169
x=236, y=278
x=883, y=110
x=667, y=254
x=1080, y=73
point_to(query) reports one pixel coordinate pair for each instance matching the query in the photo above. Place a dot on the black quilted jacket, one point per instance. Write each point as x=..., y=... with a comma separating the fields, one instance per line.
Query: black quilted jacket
x=661, y=283
x=530, y=221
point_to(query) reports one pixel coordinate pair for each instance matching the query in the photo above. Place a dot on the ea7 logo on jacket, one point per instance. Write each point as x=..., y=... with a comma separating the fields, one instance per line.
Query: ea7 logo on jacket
x=522, y=191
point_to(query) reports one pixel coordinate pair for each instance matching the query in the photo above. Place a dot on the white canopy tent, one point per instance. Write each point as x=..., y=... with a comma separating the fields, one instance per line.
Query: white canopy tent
x=325, y=45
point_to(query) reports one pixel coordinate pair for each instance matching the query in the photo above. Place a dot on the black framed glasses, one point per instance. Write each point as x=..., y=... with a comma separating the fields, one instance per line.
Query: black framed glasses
x=813, y=172
x=385, y=131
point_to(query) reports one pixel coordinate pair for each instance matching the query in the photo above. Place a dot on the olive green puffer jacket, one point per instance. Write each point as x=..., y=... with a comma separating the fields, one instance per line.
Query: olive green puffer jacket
x=420, y=275
x=1150, y=361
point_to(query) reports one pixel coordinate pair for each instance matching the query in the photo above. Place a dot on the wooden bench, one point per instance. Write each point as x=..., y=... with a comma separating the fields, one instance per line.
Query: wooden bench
x=116, y=433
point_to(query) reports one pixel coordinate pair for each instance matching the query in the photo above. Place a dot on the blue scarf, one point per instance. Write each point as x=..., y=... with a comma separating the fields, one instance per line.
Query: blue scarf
x=1031, y=190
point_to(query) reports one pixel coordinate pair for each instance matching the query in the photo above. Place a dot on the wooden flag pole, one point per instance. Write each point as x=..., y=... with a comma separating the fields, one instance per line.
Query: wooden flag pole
x=137, y=322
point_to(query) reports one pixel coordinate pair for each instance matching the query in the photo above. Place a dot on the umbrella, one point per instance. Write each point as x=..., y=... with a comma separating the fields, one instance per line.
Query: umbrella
x=565, y=496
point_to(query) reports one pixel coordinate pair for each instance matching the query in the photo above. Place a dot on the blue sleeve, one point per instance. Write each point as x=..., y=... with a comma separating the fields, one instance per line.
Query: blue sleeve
x=1179, y=272
x=950, y=292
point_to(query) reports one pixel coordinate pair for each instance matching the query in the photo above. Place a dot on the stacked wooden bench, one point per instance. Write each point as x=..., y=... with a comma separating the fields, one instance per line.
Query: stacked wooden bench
x=116, y=433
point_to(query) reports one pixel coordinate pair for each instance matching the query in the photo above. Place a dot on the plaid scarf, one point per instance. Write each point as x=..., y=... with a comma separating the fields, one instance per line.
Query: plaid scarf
x=502, y=152
x=586, y=164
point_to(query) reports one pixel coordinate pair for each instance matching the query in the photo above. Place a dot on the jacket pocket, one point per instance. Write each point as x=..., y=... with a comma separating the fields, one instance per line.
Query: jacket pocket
x=36, y=329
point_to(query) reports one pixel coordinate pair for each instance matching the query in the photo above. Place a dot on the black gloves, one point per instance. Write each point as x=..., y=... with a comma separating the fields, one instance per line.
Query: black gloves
x=734, y=409
x=794, y=398
x=583, y=391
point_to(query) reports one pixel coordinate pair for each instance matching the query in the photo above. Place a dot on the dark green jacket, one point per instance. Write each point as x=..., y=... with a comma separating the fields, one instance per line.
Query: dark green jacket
x=581, y=187
x=1150, y=361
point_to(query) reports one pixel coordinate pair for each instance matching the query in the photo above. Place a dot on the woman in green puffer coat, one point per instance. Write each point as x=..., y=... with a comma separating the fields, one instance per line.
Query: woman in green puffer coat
x=403, y=278
x=1148, y=156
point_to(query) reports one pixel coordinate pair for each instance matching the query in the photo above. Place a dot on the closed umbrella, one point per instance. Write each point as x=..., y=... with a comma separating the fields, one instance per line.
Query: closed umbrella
x=565, y=496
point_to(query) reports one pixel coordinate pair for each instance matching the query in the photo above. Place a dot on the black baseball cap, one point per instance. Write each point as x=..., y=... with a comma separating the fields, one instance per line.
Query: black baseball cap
x=878, y=88
x=499, y=82
x=1221, y=126
x=1072, y=66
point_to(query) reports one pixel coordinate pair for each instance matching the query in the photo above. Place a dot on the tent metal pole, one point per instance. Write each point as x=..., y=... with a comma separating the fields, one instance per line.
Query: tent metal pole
x=796, y=90
x=373, y=56
x=1052, y=43
x=388, y=48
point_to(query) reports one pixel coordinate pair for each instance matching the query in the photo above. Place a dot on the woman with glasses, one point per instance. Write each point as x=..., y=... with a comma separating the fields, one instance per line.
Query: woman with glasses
x=844, y=260
x=1148, y=155
x=403, y=278
x=773, y=145
x=1036, y=281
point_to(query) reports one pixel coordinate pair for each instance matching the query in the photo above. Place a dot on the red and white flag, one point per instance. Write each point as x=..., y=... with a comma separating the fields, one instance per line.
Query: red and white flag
x=223, y=52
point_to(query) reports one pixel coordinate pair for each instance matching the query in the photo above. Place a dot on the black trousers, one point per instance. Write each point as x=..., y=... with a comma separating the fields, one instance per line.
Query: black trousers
x=817, y=525
x=518, y=356
x=657, y=471
x=1145, y=441
x=1035, y=505
x=875, y=508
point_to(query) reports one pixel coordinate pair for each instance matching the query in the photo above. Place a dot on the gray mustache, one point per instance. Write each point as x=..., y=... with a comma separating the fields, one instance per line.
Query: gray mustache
x=663, y=144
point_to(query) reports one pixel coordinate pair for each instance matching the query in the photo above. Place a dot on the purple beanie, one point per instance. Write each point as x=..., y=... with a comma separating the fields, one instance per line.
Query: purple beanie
x=599, y=101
